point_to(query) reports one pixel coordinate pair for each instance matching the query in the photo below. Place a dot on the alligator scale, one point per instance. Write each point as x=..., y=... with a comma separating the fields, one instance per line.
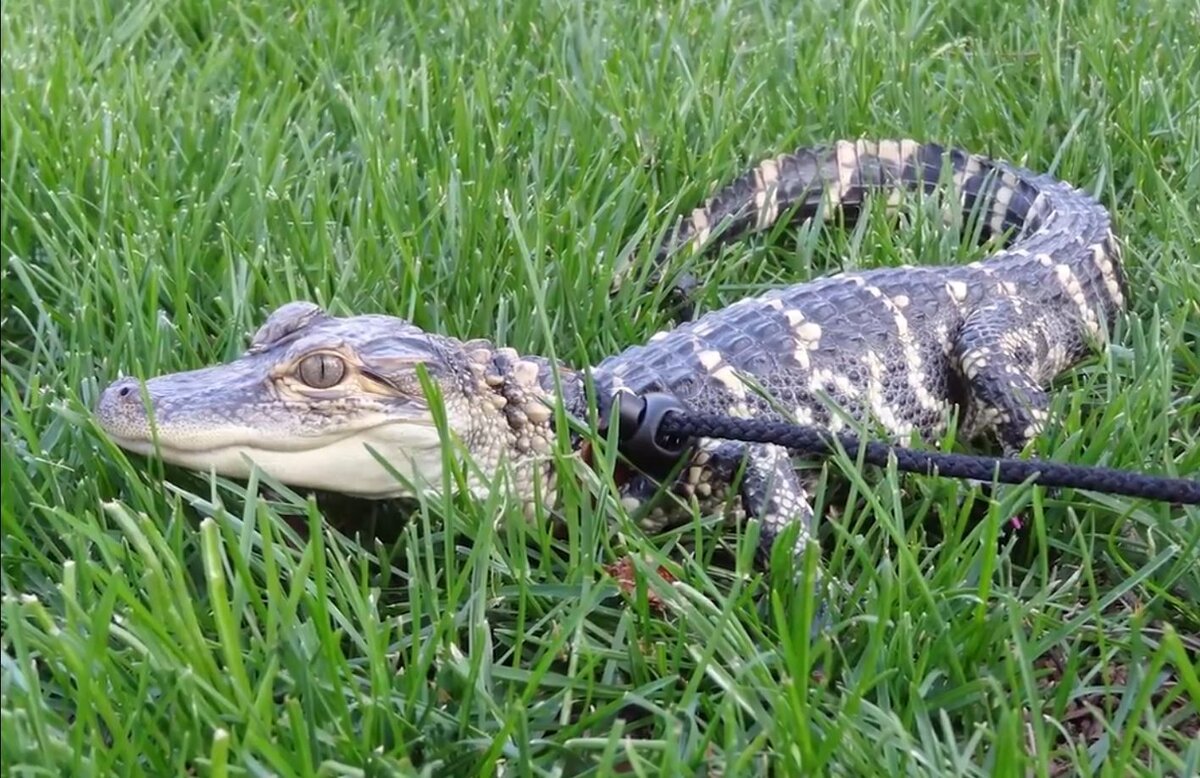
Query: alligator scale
x=900, y=349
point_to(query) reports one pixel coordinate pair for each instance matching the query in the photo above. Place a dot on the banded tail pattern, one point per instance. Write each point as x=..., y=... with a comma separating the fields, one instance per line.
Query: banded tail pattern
x=1039, y=215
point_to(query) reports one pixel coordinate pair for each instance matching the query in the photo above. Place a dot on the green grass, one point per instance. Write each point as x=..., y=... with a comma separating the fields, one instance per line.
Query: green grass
x=172, y=171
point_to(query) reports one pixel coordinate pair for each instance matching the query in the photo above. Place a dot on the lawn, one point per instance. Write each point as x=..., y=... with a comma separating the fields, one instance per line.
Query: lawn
x=174, y=170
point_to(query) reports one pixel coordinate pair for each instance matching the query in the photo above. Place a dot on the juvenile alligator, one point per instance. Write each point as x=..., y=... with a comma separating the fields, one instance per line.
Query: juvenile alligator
x=898, y=348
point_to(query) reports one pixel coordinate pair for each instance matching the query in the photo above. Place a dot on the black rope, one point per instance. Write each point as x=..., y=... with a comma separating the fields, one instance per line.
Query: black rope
x=656, y=429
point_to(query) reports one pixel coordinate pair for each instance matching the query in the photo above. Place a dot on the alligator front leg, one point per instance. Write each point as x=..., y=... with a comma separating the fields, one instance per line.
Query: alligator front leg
x=767, y=486
x=773, y=496
x=755, y=482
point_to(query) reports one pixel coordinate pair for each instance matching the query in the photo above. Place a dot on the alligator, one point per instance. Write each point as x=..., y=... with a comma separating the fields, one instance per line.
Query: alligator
x=317, y=400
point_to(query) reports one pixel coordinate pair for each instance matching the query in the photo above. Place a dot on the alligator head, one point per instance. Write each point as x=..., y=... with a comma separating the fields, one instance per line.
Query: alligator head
x=314, y=394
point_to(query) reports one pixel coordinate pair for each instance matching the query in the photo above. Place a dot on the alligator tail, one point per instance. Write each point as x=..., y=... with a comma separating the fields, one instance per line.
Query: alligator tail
x=998, y=199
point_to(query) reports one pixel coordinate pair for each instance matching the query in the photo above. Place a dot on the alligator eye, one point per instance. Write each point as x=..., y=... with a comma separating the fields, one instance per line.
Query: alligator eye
x=321, y=371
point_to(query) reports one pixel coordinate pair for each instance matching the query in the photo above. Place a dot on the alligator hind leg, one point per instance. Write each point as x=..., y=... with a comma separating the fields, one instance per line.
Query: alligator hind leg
x=999, y=354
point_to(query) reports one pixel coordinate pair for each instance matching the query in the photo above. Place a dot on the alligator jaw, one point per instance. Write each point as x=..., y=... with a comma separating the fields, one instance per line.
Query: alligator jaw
x=339, y=460
x=344, y=465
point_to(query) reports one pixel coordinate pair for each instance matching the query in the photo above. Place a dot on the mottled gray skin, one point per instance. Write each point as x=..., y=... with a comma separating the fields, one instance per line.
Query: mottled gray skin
x=898, y=349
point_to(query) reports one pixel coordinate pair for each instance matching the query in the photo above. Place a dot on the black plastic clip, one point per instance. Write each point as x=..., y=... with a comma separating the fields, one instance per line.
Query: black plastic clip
x=638, y=436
